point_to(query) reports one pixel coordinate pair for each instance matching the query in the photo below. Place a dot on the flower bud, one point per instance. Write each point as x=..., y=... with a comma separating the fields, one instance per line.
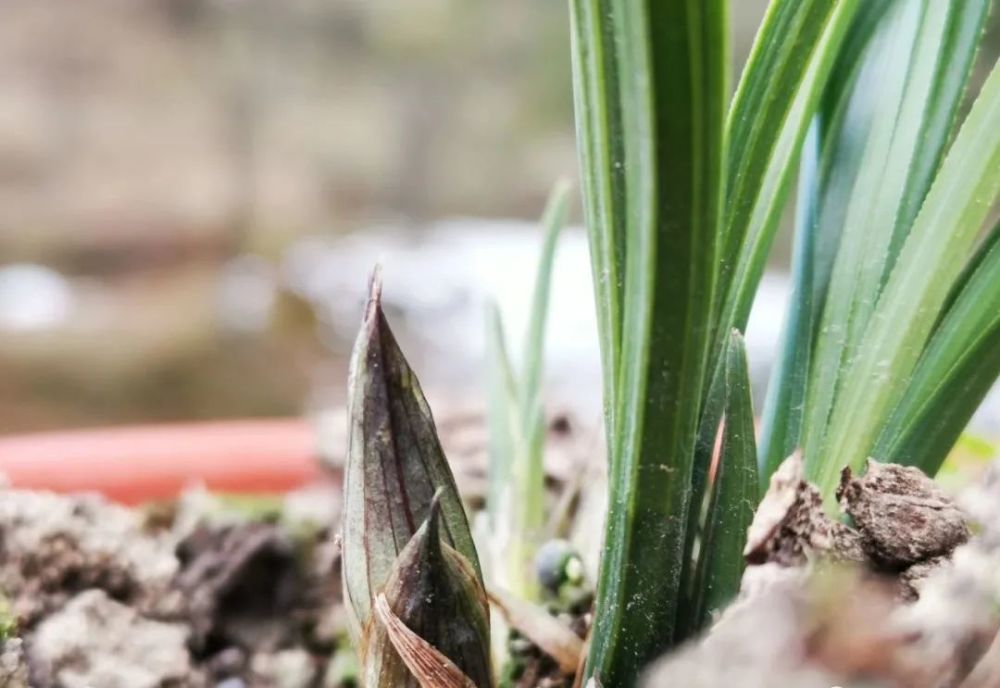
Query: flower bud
x=396, y=479
x=431, y=625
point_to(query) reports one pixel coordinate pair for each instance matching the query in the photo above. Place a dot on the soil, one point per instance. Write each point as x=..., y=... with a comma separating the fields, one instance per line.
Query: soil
x=208, y=591
x=209, y=594
x=905, y=595
x=900, y=591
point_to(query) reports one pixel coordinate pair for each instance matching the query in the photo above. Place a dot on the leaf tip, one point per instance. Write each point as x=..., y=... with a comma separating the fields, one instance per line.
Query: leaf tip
x=373, y=307
x=562, y=187
x=434, y=513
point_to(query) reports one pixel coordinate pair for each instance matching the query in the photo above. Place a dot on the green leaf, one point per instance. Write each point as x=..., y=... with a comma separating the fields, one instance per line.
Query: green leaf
x=843, y=123
x=781, y=424
x=435, y=613
x=958, y=368
x=828, y=170
x=793, y=57
x=532, y=474
x=713, y=410
x=670, y=67
x=912, y=105
x=503, y=557
x=395, y=465
x=928, y=265
x=553, y=221
x=503, y=415
x=506, y=548
x=777, y=95
x=733, y=499
x=601, y=147
x=962, y=35
x=517, y=423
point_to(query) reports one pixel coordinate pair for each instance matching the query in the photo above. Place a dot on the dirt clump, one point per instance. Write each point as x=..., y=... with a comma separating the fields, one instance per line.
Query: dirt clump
x=53, y=547
x=918, y=609
x=903, y=516
x=222, y=576
x=96, y=641
x=791, y=527
x=202, y=597
x=13, y=664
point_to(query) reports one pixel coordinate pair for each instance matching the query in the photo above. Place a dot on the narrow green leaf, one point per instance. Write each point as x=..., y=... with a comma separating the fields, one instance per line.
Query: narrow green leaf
x=930, y=261
x=794, y=53
x=880, y=87
x=828, y=170
x=517, y=423
x=960, y=42
x=394, y=466
x=503, y=414
x=437, y=596
x=778, y=93
x=506, y=548
x=781, y=424
x=844, y=122
x=501, y=565
x=958, y=368
x=733, y=499
x=553, y=221
x=713, y=409
x=793, y=57
x=532, y=473
x=912, y=111
x=671, y=69
x=601, y=147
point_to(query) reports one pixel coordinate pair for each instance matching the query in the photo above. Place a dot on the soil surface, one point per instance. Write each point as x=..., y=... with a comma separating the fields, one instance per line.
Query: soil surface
x=215, y=592
x=208, y=593
x=902, y=590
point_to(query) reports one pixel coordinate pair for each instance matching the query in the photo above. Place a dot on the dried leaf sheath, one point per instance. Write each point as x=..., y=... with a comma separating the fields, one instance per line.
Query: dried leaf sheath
x=432, y=624
x=428, y=667
x=394, y=466
x=535, y=623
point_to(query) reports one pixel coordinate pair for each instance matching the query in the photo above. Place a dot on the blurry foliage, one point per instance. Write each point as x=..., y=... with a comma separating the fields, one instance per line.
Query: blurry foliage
x=967, y=460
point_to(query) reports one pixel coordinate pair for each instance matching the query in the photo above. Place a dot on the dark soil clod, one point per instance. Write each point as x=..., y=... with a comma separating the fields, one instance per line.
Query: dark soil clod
x=241, y=583
x=903, y=516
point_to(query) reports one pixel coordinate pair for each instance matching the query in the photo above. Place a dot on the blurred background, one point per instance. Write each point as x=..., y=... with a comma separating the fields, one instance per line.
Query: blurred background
x=192, y=193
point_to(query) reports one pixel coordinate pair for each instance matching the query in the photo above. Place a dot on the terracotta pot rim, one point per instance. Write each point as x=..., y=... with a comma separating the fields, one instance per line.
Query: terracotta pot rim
x=133, y=464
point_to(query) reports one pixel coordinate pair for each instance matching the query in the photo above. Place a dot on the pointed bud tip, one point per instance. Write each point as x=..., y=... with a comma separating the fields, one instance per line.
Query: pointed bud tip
x=434, y=513
x=375, y=282
x=427, y=540
x=374, y=304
